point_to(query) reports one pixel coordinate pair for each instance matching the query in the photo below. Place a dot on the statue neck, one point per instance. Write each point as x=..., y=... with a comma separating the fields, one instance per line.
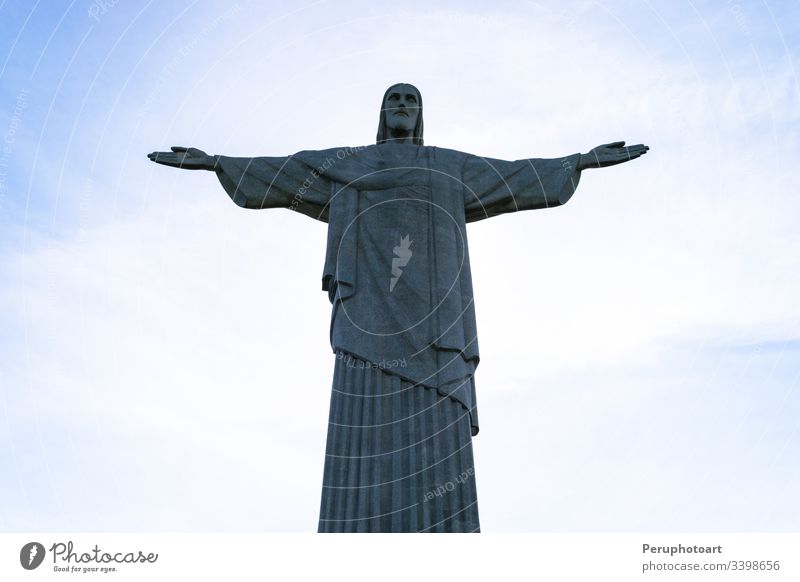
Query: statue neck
x=401, y=136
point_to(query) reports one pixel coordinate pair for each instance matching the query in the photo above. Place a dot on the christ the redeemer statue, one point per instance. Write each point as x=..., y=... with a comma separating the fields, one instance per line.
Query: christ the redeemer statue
x=403, y=410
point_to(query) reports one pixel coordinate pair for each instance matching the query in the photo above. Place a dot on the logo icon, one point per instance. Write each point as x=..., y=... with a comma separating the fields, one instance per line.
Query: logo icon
x=31, y=555
x=402, y=256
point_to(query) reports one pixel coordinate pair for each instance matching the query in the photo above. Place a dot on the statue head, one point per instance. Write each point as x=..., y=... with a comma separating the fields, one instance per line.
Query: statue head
x=401, y=114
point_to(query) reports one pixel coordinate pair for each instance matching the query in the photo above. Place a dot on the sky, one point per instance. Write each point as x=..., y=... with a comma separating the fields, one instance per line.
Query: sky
x=164, y=355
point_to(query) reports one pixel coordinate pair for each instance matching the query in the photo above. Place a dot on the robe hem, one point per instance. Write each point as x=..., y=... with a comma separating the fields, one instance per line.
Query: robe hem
x=473, y=425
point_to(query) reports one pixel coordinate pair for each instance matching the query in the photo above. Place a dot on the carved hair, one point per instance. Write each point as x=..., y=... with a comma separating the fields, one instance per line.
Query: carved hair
x=383, y=131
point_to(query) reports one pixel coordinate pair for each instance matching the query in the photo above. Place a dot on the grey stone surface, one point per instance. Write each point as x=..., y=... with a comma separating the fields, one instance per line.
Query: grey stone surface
x=396, y=267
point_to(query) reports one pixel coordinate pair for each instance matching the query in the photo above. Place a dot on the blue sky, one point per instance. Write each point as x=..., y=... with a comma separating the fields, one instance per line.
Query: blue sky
x=640, y=346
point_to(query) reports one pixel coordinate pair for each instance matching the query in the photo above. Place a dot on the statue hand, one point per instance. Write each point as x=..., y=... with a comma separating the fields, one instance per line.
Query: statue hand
x=185, y=158
x=610, y=154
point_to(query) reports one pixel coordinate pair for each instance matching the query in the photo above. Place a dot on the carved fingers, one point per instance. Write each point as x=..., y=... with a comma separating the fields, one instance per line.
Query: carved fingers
x=181, y=157
x=614, y=153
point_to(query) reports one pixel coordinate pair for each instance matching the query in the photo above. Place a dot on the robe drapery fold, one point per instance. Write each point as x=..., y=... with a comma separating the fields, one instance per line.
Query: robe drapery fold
x=397, y=268
x=398, y=457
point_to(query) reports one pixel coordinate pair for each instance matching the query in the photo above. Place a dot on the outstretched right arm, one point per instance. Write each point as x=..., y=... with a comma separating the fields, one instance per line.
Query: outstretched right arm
x=279, y=182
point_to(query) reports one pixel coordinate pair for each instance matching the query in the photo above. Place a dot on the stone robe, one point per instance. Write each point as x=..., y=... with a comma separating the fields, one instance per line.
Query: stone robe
x=397, y=268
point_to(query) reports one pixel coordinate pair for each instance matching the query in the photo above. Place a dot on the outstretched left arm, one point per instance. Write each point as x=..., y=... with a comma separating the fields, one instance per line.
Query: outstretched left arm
x=493, y=187
x=610, y=154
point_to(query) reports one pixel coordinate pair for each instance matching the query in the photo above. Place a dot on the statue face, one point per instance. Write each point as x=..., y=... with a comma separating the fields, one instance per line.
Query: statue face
x=402, y=108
